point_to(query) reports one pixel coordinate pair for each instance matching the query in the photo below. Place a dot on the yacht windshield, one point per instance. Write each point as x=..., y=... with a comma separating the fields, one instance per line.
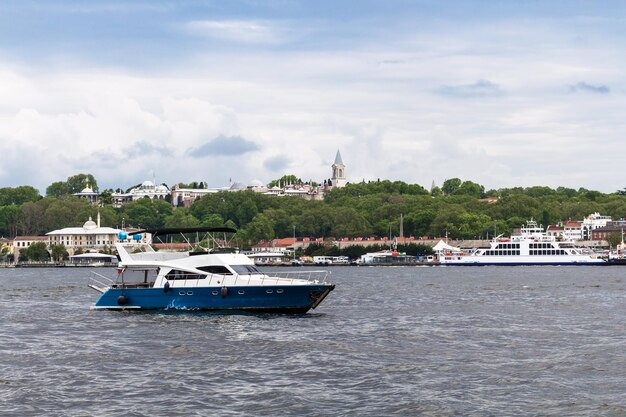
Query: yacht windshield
x=245, y=269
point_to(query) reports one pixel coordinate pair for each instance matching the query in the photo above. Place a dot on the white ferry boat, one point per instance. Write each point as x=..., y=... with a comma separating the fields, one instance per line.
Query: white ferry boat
x=531, y=247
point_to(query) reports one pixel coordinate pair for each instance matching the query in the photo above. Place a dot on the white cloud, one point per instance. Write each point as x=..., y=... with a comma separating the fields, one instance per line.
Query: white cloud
x=380, y=103
x=243, y=31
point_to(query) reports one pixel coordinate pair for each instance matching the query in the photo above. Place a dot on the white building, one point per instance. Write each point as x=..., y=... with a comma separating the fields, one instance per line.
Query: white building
x=90, y=237
x=146, y=189
x=592, y=222
x=572, y=230
x=89, y=194
x=23, y=242
x=184, y=197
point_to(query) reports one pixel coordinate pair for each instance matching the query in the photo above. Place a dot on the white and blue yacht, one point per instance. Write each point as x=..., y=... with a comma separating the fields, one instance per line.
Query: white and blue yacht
x=221, y=279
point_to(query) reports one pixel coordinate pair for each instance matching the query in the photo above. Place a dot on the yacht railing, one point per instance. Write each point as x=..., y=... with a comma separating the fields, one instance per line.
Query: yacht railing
x=99, y=282
x=289, y=277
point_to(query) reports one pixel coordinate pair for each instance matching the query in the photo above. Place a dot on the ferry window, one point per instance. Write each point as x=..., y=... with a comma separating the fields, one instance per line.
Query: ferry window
x=215, y=269
x=245, y=269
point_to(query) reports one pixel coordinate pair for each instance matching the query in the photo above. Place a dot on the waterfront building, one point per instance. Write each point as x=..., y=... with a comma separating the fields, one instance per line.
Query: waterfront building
x=90, y=237
x=23, y=242
x=555, y=230
x=592, y=222
x=572, y=230
x=602, y=233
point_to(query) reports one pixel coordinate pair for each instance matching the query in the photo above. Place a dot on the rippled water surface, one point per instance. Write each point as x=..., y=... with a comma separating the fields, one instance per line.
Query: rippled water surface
x=407, y=341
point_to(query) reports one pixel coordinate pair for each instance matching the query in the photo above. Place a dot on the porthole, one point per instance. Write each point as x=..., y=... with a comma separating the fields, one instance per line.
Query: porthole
x=241, y=292
x=269, y=291
x=279, y=291
x=215, y=293
x=189, y=292
x=181, y=293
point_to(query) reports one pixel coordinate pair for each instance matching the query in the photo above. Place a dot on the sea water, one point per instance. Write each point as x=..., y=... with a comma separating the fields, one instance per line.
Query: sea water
x=389, y=341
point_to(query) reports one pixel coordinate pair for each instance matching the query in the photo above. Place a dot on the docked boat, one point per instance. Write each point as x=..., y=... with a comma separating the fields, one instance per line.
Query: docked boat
x=219, y=279
x=387, y=258
x=531, y=247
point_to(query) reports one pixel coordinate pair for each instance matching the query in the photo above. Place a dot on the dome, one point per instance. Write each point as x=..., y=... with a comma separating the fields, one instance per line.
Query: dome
x=147, y=184
x=86, y=190
x=90, y=225
x=256, y=183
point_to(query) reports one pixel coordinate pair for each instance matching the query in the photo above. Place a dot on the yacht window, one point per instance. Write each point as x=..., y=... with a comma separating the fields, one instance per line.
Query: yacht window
x=175, y=274
x=215, y=269
x=245, y=269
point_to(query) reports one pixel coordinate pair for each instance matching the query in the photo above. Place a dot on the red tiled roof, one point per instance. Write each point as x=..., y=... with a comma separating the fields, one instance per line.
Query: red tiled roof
x=30, y=238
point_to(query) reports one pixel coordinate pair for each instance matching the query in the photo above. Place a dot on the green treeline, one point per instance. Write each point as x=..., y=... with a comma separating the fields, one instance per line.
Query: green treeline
x=458, y=208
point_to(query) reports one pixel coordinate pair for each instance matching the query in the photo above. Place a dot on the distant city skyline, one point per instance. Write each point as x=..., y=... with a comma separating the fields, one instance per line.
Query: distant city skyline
x=504, y=94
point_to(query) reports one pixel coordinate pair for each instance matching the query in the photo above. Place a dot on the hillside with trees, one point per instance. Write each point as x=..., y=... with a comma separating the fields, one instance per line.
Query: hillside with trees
x=459, y=209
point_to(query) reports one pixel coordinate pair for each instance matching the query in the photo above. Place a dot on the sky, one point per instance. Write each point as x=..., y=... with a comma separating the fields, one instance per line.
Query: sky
x=502, y=93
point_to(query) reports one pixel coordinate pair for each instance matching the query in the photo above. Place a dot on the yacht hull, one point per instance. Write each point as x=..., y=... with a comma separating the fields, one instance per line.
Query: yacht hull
x=295, y=299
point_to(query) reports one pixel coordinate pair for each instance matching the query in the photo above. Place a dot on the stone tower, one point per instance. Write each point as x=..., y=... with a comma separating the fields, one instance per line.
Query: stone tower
x=339, y=172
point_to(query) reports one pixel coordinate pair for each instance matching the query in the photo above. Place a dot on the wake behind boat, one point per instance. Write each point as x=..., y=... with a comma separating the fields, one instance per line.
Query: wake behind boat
x=531, y=247
x=219, y=280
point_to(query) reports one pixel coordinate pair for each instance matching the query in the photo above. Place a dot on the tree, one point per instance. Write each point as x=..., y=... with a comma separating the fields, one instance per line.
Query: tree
x=37, y=252
x=614, y=239
x=57, y=189
x=181, y=218
x=106, y=197
x=260, y=228
x=64, y=213
x=9, y=218
x=146, y=213
x=246, y=212
x=213, y=220
x=31, y=219
x=470, y=188
x=450, y=186
x=284, y=180
x=18, y=195
x=58, y=252
x=79, y=182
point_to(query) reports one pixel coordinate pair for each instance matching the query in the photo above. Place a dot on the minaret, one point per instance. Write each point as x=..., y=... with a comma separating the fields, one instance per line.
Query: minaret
x=339, y=172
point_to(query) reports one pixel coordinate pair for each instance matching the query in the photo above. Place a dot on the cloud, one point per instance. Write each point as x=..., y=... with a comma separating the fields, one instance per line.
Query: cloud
x=240, y=31
x=223, y=145
x=481, y=88
x=589, y=88
x=277, y=163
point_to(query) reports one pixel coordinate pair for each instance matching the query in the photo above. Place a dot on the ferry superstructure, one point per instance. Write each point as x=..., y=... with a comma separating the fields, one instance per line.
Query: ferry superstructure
x=531, y=247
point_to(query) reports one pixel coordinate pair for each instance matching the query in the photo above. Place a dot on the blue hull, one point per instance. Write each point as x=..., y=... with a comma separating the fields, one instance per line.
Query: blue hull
x=275, y=299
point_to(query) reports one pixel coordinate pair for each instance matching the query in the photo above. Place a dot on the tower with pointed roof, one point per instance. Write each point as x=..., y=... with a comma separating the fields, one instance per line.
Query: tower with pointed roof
x=339, y=172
